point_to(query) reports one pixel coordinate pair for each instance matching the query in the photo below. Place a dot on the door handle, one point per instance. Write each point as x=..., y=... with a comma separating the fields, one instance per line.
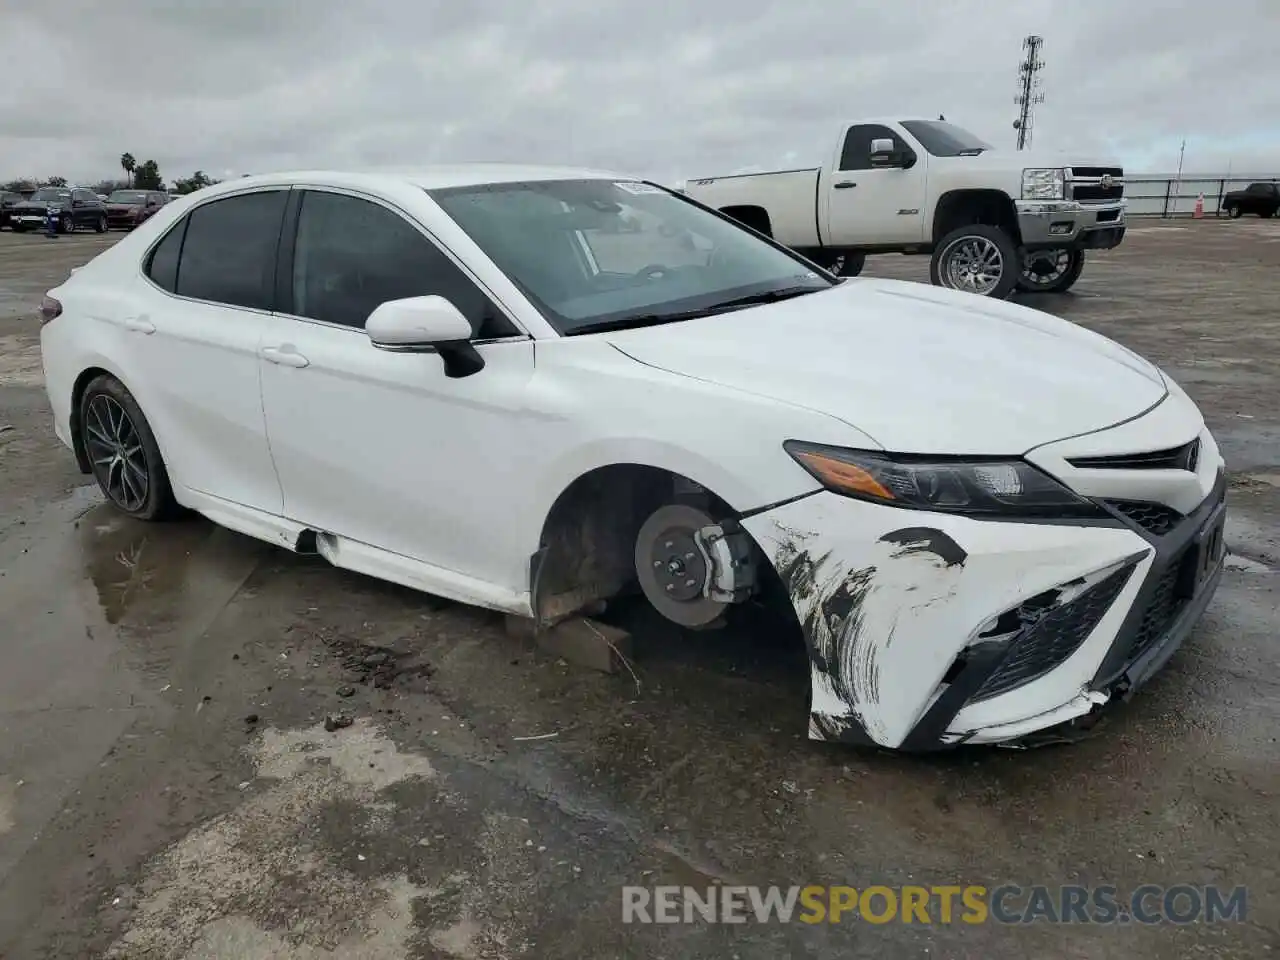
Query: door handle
x=285, y=355
x=846, y=185
x=139, y=325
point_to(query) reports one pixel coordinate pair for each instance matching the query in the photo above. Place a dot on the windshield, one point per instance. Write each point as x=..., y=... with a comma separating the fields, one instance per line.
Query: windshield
x=945, y=139
x=127, y=196
x=599, y=254
x=51, y=193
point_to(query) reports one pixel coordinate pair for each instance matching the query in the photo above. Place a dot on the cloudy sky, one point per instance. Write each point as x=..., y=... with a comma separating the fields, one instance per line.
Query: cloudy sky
x=659, y=88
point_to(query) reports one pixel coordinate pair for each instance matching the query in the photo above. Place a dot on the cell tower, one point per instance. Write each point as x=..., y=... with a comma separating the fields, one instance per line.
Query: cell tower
x=1030, y=89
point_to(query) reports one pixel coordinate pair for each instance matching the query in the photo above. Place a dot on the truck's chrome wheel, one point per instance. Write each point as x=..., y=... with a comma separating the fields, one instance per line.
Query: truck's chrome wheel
x=973, y=264
x=1050, y=271
x=1044, y=268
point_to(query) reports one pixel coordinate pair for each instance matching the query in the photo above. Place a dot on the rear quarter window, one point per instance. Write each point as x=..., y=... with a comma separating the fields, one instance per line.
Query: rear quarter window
x=162, y=264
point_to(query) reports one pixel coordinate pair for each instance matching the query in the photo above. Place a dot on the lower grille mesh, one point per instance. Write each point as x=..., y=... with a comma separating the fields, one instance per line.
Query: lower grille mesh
x=1161, y=611
x=1155, y=518
x=1055, y=636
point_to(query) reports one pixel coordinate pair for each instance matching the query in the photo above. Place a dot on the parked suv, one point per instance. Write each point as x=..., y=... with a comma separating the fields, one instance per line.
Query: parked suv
x=1260, y=198
x=128, y=208
x=76, y=208
x=7, y=202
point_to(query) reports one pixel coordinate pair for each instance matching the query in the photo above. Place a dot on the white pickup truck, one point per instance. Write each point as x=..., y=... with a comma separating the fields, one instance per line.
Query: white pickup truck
x=993, y=222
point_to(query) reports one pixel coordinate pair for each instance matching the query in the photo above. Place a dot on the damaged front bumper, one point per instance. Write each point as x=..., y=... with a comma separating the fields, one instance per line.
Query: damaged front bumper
x=929, y=630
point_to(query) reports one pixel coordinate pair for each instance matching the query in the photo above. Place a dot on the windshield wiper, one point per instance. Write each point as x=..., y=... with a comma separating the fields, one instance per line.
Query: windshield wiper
x=725, y=306
x=639, y=320
x=769, y=296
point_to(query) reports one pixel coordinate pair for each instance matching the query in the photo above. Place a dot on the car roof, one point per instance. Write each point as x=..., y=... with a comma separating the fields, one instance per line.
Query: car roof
x=426, y=177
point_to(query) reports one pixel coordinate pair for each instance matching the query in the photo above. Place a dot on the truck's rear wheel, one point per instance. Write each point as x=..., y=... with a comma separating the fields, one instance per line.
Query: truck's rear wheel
x=1233, y=211
x=977, y=259
x=1050, y=271
x=844, y=264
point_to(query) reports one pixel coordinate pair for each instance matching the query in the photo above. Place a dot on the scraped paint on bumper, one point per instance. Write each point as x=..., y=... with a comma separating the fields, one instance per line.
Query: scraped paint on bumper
x=894, y=604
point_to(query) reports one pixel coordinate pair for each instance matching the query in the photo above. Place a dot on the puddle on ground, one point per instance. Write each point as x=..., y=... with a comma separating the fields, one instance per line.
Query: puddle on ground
x=128, y=561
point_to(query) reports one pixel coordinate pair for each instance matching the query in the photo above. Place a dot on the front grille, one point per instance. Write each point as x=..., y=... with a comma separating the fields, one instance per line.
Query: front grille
x=1096, y=192
x=1047, y=642
x=1087, y=185
x=1184, y=457
x=1162, y=610
x=1155, y=518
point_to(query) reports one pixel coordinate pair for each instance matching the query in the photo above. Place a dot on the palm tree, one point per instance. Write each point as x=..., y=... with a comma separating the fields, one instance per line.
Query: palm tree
x=128, y=164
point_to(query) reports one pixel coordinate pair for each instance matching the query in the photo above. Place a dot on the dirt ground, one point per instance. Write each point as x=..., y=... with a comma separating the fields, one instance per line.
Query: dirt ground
x=168, y=789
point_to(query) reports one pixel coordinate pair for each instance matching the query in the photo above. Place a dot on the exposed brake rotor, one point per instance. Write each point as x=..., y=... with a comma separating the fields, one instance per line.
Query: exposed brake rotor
x=690, y=567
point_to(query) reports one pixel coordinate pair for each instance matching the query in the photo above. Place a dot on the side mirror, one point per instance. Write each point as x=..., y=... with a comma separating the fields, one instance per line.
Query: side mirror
x=422, y=325
x=883, y=154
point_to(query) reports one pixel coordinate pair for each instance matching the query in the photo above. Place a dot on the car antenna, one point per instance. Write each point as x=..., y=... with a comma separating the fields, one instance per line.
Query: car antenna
x=942, y=118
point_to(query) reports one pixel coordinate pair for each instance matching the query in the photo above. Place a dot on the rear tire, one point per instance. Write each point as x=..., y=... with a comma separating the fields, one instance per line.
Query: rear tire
x=1233, y=212
x=976, y=258
x=1064, y=274
x=101, y=225
x=844, y=264
x=122, y=452
x=1267, y=214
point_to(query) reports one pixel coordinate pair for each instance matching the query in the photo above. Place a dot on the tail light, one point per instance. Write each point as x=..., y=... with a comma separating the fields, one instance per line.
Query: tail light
x=50, y=309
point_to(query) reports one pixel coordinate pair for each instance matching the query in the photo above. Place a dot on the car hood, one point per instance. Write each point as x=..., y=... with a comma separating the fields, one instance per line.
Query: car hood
x=918, y=369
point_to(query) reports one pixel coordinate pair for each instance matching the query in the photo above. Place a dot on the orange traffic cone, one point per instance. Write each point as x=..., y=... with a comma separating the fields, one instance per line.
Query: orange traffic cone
x=1199, y=212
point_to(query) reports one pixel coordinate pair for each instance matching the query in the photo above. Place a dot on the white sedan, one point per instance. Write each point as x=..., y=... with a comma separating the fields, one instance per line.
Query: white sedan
x=531, y=389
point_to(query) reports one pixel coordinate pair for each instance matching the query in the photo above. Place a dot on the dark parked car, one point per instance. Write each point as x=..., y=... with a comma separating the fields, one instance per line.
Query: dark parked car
x=128, y=208
x=1260, y=198
x=7, y=200
x=75, y=207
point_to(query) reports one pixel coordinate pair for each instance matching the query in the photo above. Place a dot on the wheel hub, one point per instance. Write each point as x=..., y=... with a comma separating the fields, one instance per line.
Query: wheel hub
x=115, y=452
x=678, y=566
x=1045, y=267
x=673, y=568
x=975, y=264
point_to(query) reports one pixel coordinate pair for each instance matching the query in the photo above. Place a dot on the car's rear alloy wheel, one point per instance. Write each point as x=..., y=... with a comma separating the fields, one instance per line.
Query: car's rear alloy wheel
x=122, y=451
x=1233, y=212
x=1050, y=271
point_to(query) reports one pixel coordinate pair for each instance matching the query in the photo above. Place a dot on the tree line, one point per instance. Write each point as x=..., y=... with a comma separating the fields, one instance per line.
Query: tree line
x=137, y=176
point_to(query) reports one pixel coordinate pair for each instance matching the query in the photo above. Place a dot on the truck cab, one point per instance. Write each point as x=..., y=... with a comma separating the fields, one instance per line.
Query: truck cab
x=909, y=185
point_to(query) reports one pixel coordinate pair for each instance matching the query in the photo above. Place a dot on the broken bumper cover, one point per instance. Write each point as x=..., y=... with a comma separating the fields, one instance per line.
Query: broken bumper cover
x=1054, y=224
x=929, y=630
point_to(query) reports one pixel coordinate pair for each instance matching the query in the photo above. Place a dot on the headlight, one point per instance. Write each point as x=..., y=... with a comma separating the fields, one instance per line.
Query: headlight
x=1043, y=184
x=975, y=487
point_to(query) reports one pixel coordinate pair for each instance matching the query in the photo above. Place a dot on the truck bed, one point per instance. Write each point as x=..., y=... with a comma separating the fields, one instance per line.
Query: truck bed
x=789, y=197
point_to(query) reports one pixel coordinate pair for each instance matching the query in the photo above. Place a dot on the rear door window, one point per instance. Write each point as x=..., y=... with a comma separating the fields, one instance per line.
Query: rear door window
x=229, y=254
